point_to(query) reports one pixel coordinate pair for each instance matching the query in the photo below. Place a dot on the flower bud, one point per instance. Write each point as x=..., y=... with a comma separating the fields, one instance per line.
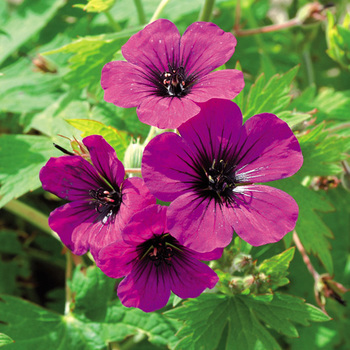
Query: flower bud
x=133, y=154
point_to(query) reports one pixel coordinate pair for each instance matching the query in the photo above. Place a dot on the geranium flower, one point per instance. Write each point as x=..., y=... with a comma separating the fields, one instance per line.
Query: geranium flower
x=210, y=173
x=101, y=200
x=154, y=263
x=167, y=75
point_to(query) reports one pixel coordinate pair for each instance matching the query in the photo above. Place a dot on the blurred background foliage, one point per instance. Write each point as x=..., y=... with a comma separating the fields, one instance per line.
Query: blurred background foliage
x=51, y=56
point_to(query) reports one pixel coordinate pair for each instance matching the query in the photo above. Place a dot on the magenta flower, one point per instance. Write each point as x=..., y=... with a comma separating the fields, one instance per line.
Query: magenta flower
x=154, y=263
x=167, y=75
x=101, y=200
x=210, y=173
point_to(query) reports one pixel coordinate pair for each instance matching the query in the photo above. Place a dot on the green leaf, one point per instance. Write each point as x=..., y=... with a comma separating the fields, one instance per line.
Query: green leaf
x=92, y=291
x=338, y=40
x=332, y=105
x=322, y=153
x=36, y=328
x=293, y=118
x=21, y=158
x=248, y=320
x=97, y=5
x=90, y=54
x=4, y=340
x=119, y=140
x=311, y=230
x=272, y=96
x=30, y=18
x=23, y=90
x=52, y=121
x=277, y=267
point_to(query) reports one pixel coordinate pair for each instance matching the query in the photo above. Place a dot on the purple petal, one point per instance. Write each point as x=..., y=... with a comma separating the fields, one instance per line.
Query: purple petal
x=117, y=259
x=190, y=277
x=215, y=130
x=213, y=255
x=136, y=196
x=167, y=166
x=147, y=289
x=166, y=112
x=225, y=84
x=145, y=224
x=154, y=47
x=198, y=223
x=204, y=47
x=262, y=214
x=73, y=222
x=105, y=160
x=124, y=84
x=70, y=177
x=267, y=150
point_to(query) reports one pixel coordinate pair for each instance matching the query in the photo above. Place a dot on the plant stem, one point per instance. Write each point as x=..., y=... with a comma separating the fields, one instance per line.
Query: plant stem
x=339, y=127
x=305, y=257
x=133, y=170
x=237, y=16
x=206, y=11
x=115, y=25
x=69, y=269
x=140, y=11
x=309, y=68
x=159, y=10
x=267, y=29
x=31, y=215
x=153, y=131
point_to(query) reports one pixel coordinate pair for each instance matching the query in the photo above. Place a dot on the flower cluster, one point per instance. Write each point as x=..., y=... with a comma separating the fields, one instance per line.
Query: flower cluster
x=209, y=172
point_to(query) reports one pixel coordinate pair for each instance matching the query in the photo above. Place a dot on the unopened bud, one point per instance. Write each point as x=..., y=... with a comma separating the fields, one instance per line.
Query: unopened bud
x=133, y=154
x=241, y=262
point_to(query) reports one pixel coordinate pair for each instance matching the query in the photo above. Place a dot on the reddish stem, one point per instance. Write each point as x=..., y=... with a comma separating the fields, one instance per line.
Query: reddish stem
x=267, y=29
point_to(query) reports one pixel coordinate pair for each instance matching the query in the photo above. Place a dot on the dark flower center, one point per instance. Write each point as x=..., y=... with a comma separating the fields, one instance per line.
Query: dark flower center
x=174, y=81
x=106, y=202
x=159, y=250
x=217, y=180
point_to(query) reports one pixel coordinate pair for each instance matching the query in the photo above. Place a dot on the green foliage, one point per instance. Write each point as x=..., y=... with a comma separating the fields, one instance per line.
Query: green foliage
x=89, y=54
x=277, y=267
x=272, y=96
x=86, y=284
x=22, y=157
x=322, y=153
x=63, y=97
x=117, y=139
x=29, y=19
x=312, y=231
x=4, y=340
x=96, y=5
x=338, y=40
x=31, y=325
x=248, y=320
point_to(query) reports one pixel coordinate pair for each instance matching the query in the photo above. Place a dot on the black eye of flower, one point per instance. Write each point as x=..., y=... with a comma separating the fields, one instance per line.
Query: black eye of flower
x=159, y=249
x=106, y=202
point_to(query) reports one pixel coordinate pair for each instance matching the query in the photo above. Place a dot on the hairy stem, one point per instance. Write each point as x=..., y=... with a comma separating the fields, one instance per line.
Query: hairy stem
x=159, y=10
x=31, y=215
x=206, y=11
x=69, y=269
x=140, y=11
x=267, y=29
x=305, y=257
